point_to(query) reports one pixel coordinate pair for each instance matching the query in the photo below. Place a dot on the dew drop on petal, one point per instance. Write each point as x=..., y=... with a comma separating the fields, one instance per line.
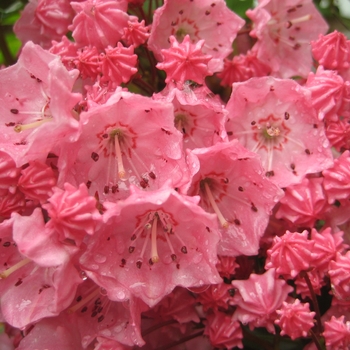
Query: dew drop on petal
x=103, y=291
x=197, y=258
x=99, y=258
x=120, y=295
x=83, y=275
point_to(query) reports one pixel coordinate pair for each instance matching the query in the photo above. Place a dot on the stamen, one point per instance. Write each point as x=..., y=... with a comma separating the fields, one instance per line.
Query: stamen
x=154, y=251
x=289, y=23
x=14, y=268
x=221, y=218
x=121, y=169
x=20, y=127
x=84, y=301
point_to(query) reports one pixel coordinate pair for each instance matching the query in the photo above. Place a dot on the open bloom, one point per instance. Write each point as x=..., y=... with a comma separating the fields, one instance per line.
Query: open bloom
x=208, y=20
x=156, y=240
x=275, y=118
x=230, y=181
x=284, y=31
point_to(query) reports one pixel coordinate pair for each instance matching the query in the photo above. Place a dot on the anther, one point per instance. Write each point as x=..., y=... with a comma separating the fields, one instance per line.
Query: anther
x=21, y=127
x=221, y=218
x=184, y=249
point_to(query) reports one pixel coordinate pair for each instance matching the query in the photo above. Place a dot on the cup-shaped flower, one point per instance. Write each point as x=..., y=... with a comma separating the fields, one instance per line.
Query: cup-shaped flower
x=155, y=241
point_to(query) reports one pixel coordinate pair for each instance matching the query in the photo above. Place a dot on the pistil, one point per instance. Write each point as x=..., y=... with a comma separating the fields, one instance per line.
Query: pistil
x=215, y=207
x=154, y=251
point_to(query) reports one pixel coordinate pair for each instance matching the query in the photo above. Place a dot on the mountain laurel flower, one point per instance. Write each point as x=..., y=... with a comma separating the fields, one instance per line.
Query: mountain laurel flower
x=258, y=298
x=208, y=20
x=339, y=273
x=275, y=119
x=337, y=333
x=290, y=254
x=117, y=64
x=284, y=31
x=223, y=331
x=332, y=51
x=185, y=61
x=72, y=212
x=296, y=319
x=37, y=181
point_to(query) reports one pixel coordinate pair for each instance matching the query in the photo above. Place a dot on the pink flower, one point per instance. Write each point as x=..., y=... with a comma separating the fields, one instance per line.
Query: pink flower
x=118, y=63
x=327, y=245
x=200, y=120
x=317, y=280
x=99, y=23
x=155, y=241
x=216, y=297
x=36, y=181
x=295, y=320
x=11, y=202
x=130, y=139
x=337, y=179
x=329, y=94
x=72, y=212
x=9, y=173
x=303, y=203
x=284, y=32
x=332, y=51
x=339, y=272
x=98, y=316
x=227, y=266
x=185, y=61
x=337, y=333
x=258, y=298
x=87, y=61
x=338, y=133
x=275, y=119
x=241, y=68
x=290, y=254
x=230, y=183
x=36, y=105
x=208, y=20
x=136, y=33
x=223, y=331
x=43, y=21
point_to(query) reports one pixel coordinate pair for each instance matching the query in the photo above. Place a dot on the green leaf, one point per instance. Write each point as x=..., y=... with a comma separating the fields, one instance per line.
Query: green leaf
x=240, y=6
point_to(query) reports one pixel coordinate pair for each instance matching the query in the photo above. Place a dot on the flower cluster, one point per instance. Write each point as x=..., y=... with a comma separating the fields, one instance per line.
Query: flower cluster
x=140, y=208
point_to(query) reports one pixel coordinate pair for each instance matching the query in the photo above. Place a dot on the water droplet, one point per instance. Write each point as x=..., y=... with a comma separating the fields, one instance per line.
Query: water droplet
x=103, y=291
x=325, y=144
x=120, y=295
x=99, y=258
x=94, y=267
x=197, y=258
x=106, y=332
x=83, y=275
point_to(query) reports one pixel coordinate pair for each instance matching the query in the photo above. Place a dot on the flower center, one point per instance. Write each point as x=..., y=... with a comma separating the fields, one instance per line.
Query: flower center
x=154, y=227
x=181, y=121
